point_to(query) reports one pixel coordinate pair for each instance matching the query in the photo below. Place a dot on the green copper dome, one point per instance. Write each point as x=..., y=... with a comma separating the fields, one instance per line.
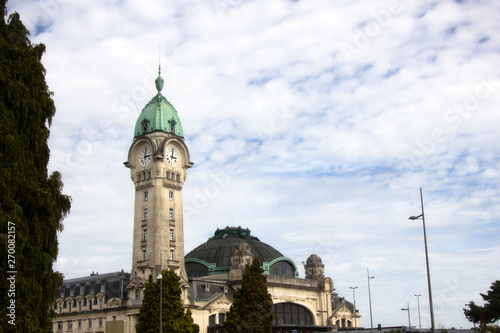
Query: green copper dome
x=158, y=115
x=214, y=256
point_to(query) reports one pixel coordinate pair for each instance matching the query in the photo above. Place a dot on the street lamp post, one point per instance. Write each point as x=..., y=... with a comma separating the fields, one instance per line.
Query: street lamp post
x=370, y=298
x=408, y=309
x=354, y=297
x=419, y=321
x=160, y=277
x=426, y=260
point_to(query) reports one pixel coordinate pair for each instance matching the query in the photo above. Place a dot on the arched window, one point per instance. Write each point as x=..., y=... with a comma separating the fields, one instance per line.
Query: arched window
x=291, y=314
x=149, y=174
x=168, y=174
x=195, y=269
x=282, y=268
x=137, y=294
x=178, y=177
x=138, y=177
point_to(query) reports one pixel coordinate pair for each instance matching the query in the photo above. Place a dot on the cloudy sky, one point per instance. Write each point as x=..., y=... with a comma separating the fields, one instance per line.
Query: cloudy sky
x=312, y=123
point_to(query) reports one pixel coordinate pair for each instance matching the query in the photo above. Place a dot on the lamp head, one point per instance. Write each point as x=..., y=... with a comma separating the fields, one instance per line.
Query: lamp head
x=414, y=217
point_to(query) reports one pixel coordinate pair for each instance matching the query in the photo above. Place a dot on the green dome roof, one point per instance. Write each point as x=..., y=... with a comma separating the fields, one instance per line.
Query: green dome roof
x=219, y=247
x=214, y=256
x=158, y=115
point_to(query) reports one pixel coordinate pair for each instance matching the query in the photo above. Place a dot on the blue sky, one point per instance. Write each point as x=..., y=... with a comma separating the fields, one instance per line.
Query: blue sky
x=312, y=123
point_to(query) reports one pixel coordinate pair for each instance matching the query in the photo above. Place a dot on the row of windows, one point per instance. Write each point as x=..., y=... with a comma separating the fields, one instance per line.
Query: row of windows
x=80, y=323
x=81, y=289
x=145, y=235
x=222, y=319
x=73, y=304
x=170, y=214
x=173, y=176
x=170, y=195
x=145, y=254
x=343, y=323
x=142, y=176
x=284, y=314
x=146, y=175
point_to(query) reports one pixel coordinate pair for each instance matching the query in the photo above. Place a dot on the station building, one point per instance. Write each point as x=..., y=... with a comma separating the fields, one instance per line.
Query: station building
x=158, y=160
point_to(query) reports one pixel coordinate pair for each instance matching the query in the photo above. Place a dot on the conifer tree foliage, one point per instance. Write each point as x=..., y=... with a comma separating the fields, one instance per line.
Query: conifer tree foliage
x=174, y=318
x=32, y=206
x=490, y=311
x=252, y=304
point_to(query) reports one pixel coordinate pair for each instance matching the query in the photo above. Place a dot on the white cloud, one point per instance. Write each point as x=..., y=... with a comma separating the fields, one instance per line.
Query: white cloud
x=314, y=148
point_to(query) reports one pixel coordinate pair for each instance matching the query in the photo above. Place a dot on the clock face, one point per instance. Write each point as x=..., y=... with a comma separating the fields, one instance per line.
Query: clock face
x=145, y=156
x=172, y=156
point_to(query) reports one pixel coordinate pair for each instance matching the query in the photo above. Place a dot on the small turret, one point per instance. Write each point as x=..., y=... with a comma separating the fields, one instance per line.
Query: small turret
x=314, y=267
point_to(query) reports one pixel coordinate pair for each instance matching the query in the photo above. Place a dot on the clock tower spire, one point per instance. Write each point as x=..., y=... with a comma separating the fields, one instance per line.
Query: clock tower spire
x=158, y=160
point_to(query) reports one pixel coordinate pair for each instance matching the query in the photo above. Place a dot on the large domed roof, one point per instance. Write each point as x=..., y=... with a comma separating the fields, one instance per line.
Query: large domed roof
x=218, y=248
x=158, y=115
x=214, y=256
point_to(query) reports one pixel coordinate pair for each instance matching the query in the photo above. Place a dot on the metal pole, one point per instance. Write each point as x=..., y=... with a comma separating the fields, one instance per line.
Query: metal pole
x=409, y=322
x=408, y=309
x=419, y=321
x=370, y=298
x=354, y=297
x=161, y=298
x=426, y=260
x=427, y=264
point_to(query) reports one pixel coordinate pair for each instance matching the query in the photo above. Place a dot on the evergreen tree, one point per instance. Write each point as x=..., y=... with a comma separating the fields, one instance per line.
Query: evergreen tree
x=174, y=318
x=252, y=304
x=488, y=313
x=492, y=302
x=32, y=206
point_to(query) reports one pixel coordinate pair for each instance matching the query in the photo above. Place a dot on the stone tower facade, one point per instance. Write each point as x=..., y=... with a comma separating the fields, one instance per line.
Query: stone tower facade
x=158, y=160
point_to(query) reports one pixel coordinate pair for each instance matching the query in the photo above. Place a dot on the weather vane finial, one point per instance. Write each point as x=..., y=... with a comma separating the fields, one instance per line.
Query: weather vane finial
x=159, y=79
x=159, y=60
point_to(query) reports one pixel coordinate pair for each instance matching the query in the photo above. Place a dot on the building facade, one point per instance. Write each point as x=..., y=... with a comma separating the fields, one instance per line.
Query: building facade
x=158, y=160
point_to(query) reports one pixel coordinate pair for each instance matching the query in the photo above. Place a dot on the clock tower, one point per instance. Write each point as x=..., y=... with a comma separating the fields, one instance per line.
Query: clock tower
x=158, y=160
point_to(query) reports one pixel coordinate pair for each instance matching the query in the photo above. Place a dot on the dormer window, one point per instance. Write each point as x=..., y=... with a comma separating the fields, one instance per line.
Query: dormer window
x=172, y=123
x=144, y=124
x=103, y=286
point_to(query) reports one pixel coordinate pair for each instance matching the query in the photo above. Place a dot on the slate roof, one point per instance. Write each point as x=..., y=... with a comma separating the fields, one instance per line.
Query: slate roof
x=219, y=247
x=338, y=301
x=111, y=284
